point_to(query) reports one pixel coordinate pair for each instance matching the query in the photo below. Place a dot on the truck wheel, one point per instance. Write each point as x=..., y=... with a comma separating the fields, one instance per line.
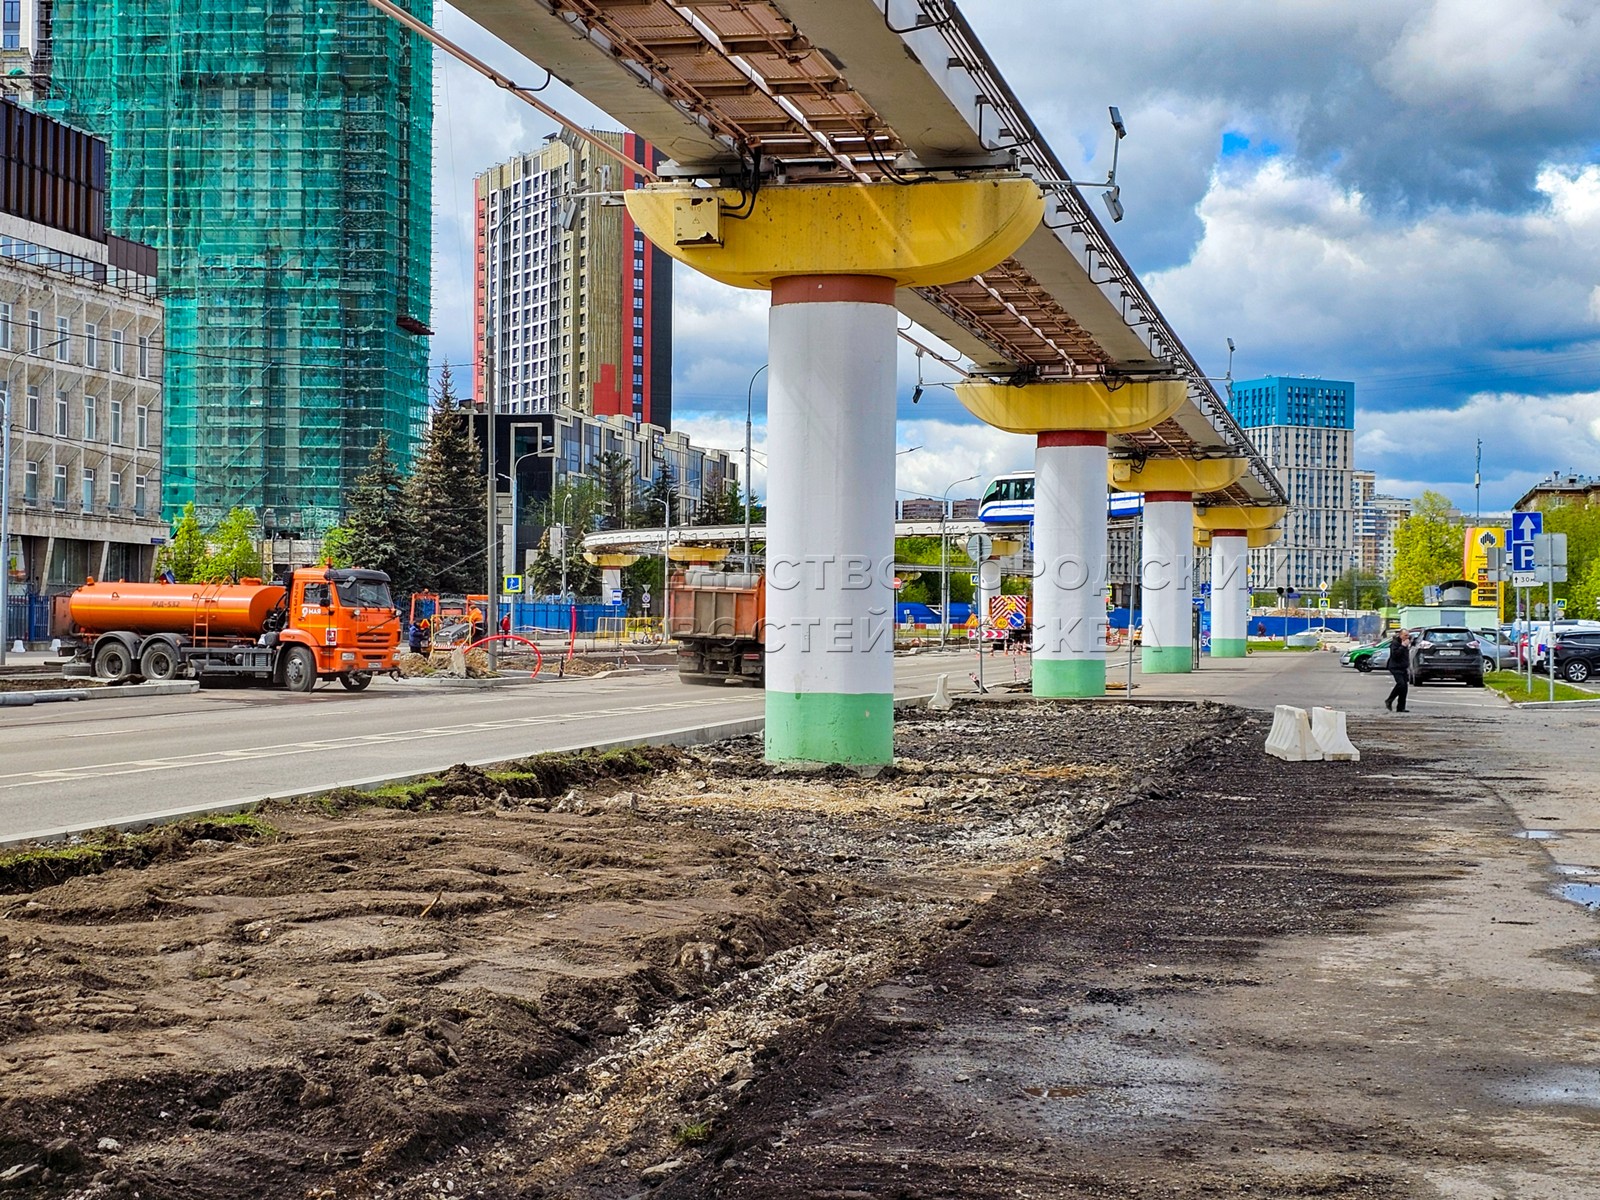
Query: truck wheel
x=113, y=662
x=299, y=669
x=160, y=662
x=355, y=681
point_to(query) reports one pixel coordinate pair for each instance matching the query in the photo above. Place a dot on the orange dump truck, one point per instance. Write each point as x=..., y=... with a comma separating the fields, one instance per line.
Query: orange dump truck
x=718, y=620
x=321, y=623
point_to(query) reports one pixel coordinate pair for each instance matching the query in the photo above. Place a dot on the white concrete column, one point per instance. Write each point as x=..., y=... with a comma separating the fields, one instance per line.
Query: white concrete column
x=1069, y=548
x=830, y=520
x=988, y=589
x=1230, y=592
x=1166, y=584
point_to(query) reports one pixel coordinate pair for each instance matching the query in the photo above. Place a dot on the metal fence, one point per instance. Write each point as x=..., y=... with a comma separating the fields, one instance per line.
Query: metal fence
x=27, y=617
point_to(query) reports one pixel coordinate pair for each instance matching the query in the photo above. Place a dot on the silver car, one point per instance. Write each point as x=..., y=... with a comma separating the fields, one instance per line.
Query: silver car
x=1499, y=653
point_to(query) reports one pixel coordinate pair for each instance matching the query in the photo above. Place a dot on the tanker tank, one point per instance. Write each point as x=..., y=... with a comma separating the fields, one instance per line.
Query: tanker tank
x=230, y=609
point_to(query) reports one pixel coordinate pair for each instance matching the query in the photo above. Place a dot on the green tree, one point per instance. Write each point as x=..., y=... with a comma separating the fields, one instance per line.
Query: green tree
x=1583, y=591
x=336, y=546
x=186, y=554
x=647, y=507
x=1427, y=549
x=1354, y=589
x=721, y=506
x=444, y=514
x=576, y=506
x=235, y=548
x=925, y=551
x=375, y=533
x=616, y=489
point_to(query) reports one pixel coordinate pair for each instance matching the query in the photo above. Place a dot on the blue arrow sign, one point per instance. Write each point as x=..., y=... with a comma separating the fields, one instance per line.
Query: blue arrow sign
x=1524, y=526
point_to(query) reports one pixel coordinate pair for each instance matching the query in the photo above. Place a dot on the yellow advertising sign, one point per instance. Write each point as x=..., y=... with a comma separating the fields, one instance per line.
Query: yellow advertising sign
x=1475, y=563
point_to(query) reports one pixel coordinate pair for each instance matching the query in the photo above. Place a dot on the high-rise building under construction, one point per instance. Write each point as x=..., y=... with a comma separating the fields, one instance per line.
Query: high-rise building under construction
x=277, y=153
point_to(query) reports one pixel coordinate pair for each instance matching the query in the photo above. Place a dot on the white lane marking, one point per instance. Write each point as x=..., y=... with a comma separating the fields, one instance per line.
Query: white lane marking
x=213, y=757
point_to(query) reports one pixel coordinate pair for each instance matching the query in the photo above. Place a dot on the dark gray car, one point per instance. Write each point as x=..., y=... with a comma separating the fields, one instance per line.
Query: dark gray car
x=1446, y=652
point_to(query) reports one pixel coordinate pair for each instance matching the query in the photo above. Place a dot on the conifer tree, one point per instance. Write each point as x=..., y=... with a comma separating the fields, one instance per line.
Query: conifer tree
x=444, y=501
x=374, y=534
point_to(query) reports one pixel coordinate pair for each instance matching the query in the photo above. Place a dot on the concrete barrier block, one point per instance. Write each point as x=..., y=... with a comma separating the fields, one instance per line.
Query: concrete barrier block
x=1290, y=737
x=941, y=702
x=1328, y=730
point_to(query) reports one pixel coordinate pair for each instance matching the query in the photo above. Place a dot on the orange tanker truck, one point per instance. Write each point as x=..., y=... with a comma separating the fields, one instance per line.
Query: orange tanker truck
x=319, y=623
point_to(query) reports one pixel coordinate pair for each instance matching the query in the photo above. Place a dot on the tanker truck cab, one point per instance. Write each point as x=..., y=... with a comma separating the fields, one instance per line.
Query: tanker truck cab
x=345, y=623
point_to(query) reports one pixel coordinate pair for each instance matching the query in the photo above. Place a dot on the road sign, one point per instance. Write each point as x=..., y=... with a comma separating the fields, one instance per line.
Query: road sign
x=1522, y=558
x=1525, y=527
x=512, y=584
x=1198, y=601
x=616, y=595
x=1205, y=589
x=1322, y=602
x=1561, y=604
x=1526, y=579
x=979, y=547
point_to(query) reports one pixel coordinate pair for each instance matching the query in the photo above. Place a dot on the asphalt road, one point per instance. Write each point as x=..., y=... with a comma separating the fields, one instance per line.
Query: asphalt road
x=66, y=766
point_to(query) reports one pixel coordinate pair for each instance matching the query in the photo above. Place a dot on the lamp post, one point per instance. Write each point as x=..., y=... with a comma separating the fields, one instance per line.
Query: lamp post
x=749, y=404
x=944, y=562
x=666, y=543
x=566, y=499
x=5, y=497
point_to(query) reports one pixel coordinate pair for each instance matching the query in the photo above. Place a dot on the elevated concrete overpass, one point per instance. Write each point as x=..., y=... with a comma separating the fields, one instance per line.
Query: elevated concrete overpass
x=860, y=158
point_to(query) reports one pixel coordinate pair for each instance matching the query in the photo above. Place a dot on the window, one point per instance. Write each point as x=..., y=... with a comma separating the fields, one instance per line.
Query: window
x=116, y=423
x=116, y=349
x=141, y=427
x=60, y=494
x=35, y=338
x=33, y=410
x=63, y=339
x=144, y=358
x=88, y=489
x=5, y=326
x=138, y=495
x=61, y=414
x=91, y=345
x=114, y=495
x=91, y=419
x=30, y=483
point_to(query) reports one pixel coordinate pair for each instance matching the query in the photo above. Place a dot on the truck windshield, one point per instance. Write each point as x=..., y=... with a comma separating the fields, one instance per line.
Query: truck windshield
x=364, y=593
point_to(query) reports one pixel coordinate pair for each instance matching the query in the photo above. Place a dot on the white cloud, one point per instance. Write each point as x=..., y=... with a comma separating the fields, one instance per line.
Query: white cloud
x=951, y=452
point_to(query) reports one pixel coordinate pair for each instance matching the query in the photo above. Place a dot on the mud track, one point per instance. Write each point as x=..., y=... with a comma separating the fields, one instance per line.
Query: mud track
x=1043, y=956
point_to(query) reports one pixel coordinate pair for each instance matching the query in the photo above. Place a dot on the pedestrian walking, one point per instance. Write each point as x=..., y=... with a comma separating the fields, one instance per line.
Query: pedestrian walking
x=505, y=625
x=1399, y=660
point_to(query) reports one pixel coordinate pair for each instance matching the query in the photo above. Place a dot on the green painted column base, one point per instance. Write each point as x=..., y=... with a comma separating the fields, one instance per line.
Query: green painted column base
x=1068, y=678
x=830, y=727
x=1227, y=647
x=1166, y=660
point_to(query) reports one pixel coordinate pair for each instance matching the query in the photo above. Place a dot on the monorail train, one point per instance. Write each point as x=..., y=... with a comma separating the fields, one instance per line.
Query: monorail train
x=1008, y=500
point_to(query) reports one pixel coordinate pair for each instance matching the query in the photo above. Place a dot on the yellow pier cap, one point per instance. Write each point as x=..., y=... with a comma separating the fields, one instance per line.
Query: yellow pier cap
x=1175, y=474
x=919, y=235
x=697, y=554
x=1079, y=404
x=1234, y=516
x=613, y=562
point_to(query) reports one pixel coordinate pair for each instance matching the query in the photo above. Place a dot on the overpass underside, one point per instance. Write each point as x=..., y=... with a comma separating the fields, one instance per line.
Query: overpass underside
x=860, y=163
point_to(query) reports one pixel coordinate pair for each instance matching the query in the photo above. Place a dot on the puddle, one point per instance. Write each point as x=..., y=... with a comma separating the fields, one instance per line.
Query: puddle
x=1566, y=1085
x=1570, y=869
x=1586, y=894
x=1537, y=835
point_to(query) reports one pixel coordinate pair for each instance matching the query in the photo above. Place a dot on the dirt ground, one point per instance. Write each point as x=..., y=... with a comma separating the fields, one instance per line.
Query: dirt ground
x=1057, y=951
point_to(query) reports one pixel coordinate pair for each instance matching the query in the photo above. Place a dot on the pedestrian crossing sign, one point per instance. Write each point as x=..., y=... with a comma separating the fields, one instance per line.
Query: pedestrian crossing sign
x=512, y=584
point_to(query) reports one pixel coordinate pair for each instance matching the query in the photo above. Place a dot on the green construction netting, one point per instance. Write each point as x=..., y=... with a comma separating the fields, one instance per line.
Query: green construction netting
x=278, y=154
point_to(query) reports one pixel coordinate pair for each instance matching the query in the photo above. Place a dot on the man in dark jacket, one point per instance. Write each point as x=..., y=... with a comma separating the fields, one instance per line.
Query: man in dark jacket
x=1399, y=659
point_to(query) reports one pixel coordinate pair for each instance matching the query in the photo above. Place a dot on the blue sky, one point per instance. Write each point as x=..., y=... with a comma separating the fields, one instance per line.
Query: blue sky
x=1403, y=195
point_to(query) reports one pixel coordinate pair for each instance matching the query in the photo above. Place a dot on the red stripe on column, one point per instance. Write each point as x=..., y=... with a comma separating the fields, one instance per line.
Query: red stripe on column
x=832, y=289
x=1240, y=533
x=1168, y=497
x=1072, y=437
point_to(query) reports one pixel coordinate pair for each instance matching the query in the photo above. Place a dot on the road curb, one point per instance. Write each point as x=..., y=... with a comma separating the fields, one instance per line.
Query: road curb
x=1549, y=704
x=693, y=735
x=176, y=687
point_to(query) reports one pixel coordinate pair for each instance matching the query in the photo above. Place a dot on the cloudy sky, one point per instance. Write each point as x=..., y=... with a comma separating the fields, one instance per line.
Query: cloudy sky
x=1406, y=195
